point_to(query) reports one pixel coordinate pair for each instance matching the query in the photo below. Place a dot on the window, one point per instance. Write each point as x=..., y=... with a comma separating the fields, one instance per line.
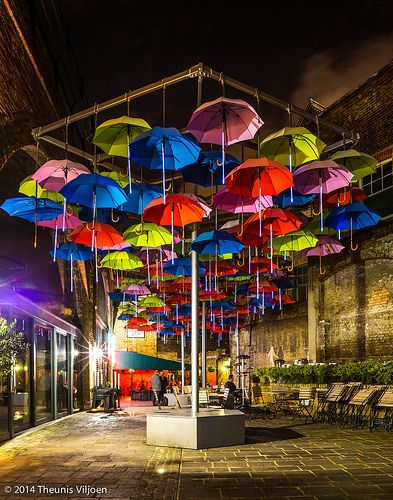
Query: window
x=380, y=181
x=301, y=279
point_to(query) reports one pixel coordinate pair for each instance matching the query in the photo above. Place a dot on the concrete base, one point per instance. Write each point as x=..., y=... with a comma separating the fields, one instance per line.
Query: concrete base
x=207, y=429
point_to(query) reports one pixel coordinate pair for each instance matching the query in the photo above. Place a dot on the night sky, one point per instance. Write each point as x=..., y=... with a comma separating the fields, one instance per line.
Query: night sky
x=291, y=50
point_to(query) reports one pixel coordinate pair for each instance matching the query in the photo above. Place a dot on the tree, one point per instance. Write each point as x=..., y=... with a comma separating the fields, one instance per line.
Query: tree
x=11, y=344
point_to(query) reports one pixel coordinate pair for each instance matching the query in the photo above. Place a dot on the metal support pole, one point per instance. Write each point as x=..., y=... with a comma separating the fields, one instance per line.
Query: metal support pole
x=182, y=361
x=194, y=328
x=203, y=344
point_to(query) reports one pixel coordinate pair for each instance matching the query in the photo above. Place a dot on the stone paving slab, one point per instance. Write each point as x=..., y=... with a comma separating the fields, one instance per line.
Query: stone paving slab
x=279, y=460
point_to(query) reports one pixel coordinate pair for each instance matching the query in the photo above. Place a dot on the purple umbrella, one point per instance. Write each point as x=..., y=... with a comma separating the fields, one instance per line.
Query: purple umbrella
x=321, y=177
x=326, y=246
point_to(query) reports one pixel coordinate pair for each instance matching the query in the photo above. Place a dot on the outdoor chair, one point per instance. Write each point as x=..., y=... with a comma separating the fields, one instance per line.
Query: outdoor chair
x=303, y=405
x=327, y=405
x=204, y=398
x=182, y=400
x=382, y=413
x=358, y=409
x=260, y=407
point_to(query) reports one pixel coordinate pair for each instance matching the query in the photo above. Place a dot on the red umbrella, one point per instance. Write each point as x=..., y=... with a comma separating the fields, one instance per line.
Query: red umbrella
x=211, y=295
x=222, y=268
x=136, y=322
x=344, y=197
x=101, y=236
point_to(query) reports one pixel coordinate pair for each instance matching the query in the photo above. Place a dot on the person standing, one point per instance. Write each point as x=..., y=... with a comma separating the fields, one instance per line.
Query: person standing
x=156, y=387
x=230, y=385
x=164, y=385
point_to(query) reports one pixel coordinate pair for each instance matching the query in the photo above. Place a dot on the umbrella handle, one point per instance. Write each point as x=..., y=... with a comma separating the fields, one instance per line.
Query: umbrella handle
x=321, y=271
x=169, y=187
x=290, y=268
x=99, y=264
x=69, y=211
x=354, y=248
x=278, y=267
x=92, y=228
x=315, y=212
x=240, y=263
x=112, y=217
x=138, y=233
x=341, y=201
x=123, y=175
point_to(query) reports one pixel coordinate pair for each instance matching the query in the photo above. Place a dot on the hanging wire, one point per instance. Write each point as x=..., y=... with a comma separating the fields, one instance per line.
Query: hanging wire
x=163, y=105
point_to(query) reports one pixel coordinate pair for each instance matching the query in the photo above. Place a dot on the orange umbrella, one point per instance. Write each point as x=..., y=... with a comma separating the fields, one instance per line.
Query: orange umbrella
x=179, y=210
x=136, y=322
x=101, y=235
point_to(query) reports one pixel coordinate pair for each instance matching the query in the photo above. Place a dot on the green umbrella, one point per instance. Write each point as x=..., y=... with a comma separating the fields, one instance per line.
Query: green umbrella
x=294, y=242
x=30, y=187
x=292, y=146
x=151, y=301
x=147, y=234
x=121, y=260
x=116, y=175
x=114, y=137
x=360, y=164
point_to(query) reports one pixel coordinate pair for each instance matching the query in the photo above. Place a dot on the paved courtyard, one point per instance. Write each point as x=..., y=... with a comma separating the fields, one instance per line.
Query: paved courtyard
x=279, y=460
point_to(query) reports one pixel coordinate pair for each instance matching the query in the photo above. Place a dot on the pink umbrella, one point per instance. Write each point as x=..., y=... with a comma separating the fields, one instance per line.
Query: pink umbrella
x=321, y=177
x=136, y=289
x=224, y=121
x=54, y=175
x=119, y=246
x=70, y=222
x=237, y=204
x=326, y=246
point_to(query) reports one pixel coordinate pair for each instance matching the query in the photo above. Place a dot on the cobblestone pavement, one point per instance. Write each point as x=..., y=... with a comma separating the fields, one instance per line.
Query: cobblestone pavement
x=280, y=460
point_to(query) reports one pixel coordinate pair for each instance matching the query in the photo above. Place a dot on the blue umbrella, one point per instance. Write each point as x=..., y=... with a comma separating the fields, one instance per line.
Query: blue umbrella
x=283, y=283
x=207, y=170
x=216, y=243
x=125, y=316
x=94, y=191
x=72, y=252
x=181, y=267
x=104, y=215
x=222, y=304
x=172, y=324
x=284, y=199
x=142, y=194
x=31, y=208
x=119, y=296
x=164, y=149
x=353, y=216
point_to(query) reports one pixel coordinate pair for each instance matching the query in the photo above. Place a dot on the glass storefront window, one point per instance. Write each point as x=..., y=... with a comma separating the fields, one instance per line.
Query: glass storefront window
x=4, y=425
x=62, y=374
x=21, y=411
x=75, y=354
x=43, y=373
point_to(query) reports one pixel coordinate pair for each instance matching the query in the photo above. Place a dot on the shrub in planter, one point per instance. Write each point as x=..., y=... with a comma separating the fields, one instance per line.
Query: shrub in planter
x=11, y=344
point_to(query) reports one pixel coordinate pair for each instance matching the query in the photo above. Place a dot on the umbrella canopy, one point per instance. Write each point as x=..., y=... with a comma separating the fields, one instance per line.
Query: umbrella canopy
x=71, y=222
x=105, y=215
x=292, y=146
x=136, y=289
x=286, y=199
x=355, y=215
x=343, y=197
x=140, y=196
x=179, y=210
x=121, y=260
x=113, y=136
x=55, y=174
x=207, y=171
x=181, y=267
x=68, y=251
x=150, y=301
x=104, y=235
x=321, y=177
x=117, y=176
x=360, y=164
x=275, y=220
x=326, y=245
x=258, y=177
x=30, y=187
x=216, y=242
x=294, y=242
x=147, y=234
x=31, y=208
x=234, y=118
x=94, y=191
x=237, y=203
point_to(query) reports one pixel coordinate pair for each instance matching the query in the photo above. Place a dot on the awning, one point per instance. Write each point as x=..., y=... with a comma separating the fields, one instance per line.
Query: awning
x=125, y=360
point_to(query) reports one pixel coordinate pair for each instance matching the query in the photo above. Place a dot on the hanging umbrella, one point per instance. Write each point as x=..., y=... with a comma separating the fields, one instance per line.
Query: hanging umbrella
x=222, y=269
x=292, y=146
x=30, y=187
x=55, y=174
x=150, y=301
x=94, y=191
x=237, y=203
x=117, y=176
x=360, y=164
x=354, y=216
x=205, y=172
x=164, y=149
x=137, y=289
x=119, y=246
x=121, y=260
x=326, y=245
x=119, y=296
x=32, y=209
x=147, y=234
x=140, y=196
x=71, y=222
x=181, y=267
x=294, y=242
x=201, y=202
x=105, y=215
x=103, y=235
x=214, y=295
x=321, y=177
x=284, y=199
x=114, y=137
x=73, y=252
x=344, y=196
x=224, y=121
x=216, y=243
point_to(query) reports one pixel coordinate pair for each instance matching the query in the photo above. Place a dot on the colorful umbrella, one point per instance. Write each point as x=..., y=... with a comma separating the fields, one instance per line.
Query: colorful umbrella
x=360, y=164
x=30, y=187
x=121, y=260
x=164, y=149
x=326, y=245
x=71, y=222
x=294, y=242
x=343, y=197
x=321, y=177
x=288, y=198
x=292, y=146
x=55, y=174
x=102, y=235
x=224, y=121
x=114, y=137
x=216, y=243
x=31, y=208
x=73, y=252
x=117, y=176
x=147, y=234
x=140, y=196
x=237, y=203
x=206, y=171
x=181, y=267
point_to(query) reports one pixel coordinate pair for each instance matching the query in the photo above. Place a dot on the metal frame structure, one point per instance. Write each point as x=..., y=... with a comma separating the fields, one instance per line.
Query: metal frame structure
x=198, y=72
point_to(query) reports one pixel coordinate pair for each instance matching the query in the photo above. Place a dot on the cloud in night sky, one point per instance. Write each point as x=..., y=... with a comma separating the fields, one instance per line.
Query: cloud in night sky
x=327, y=75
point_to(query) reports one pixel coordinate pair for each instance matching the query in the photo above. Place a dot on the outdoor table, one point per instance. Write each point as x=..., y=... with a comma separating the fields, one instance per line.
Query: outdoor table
x=279, y=396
